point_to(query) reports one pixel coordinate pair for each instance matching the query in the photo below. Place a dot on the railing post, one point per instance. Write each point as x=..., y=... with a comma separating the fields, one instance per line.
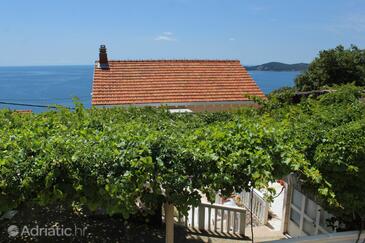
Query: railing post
x=266, y=213
x=169, y=221
x=201, y=217
x=242, y=223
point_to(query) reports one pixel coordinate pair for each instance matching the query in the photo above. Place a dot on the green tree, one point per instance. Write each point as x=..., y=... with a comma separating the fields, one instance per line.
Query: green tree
x=341, y=158
x=334, y=66
x=330, y=133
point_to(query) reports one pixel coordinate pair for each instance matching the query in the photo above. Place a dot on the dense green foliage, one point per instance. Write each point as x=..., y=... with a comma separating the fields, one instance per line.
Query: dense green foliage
x=127, y=161
x=280, y=98
x=333, y=67
x=330, y=132
x=131, y=160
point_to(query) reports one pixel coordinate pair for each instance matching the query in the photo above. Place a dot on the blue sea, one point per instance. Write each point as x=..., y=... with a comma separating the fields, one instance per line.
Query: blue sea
x=58, y=85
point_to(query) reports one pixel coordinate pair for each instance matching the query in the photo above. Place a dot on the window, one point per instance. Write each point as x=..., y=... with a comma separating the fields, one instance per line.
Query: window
x=311, y=209
x=295, y=216
x=308, y=227
x=323, y=220
x=297, y=199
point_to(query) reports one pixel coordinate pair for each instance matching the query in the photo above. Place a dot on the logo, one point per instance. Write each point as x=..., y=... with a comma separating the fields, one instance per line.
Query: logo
x=13, y=230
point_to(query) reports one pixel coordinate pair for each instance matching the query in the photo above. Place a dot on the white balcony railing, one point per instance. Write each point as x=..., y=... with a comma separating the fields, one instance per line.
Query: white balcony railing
x=260, y=207
x=215, y=218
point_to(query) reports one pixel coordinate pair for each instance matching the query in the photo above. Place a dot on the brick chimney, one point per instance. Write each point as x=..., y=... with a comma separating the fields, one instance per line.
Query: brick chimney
x=103, y=58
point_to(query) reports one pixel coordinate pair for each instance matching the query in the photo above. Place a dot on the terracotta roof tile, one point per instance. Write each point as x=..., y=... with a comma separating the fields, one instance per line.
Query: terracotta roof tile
x=23, y=111
x=172, y=81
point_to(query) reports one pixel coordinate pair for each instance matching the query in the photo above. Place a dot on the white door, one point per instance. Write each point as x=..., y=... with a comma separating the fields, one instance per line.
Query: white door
x=306, y=217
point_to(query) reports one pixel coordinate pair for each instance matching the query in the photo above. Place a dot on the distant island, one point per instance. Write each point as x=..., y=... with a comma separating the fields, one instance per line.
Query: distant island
x=278, y=66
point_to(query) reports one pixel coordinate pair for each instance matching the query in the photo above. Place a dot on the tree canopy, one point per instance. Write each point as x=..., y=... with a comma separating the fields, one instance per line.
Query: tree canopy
x=333, y=67
x=329, y=132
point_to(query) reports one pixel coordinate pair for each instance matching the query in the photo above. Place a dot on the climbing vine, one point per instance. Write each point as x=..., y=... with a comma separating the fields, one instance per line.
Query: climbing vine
x=128, y=161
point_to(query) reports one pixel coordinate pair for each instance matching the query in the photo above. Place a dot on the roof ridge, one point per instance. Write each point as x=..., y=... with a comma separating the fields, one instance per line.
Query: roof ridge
x=176, y=60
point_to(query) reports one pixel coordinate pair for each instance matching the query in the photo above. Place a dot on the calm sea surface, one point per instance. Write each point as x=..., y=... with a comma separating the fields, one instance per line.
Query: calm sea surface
x=269, y=81
x=59, y=84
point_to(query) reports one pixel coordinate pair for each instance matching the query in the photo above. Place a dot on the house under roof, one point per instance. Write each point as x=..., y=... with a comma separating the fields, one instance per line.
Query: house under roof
x=186, y=84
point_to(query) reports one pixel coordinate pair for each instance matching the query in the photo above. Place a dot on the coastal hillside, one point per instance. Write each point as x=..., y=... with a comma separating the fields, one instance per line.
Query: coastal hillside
x=278, y=66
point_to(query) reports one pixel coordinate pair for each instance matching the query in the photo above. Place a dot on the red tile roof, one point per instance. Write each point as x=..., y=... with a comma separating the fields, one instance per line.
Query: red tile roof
x=172, y=81
x=23, y=111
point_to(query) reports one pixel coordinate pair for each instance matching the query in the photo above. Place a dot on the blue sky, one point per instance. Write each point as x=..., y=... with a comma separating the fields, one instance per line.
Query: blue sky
x=44, y=32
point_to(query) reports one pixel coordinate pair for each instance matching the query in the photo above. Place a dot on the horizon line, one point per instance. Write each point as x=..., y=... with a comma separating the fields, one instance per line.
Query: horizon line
x=67, y=65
